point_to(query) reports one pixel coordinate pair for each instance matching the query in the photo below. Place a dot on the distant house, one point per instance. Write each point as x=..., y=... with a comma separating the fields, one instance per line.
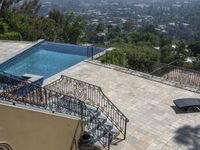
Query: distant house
x=189, y=60
x=174, y=46
x=172, y=24
x=157, y=48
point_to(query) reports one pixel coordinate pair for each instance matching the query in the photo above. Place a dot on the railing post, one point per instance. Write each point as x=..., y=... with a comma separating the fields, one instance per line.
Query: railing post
x=106, y=57
x=81, y=104
x=111, y=55
x=88, y=51
x=109, y=140
x=92, y=53
x=125, y=128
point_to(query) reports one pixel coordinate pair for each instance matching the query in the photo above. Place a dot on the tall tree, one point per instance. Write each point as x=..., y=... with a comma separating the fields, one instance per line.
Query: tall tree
x=181, y=51
x=167, y=54
x=5, y=4
x=57, y=16
x=195, y=48
x=30, y=7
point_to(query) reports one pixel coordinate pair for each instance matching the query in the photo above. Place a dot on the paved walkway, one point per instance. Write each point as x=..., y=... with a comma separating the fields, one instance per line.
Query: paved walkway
x=154, y=125
x=11, y=48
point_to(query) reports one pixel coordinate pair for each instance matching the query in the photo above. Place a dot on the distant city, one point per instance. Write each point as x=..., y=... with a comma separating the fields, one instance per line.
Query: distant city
x=170, y=17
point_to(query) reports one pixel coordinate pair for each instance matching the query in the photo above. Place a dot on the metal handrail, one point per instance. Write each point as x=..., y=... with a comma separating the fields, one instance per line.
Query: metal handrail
x=180, y=75
x=5, y=146
x=183, y=77
x=49, y=100
x=92, y=95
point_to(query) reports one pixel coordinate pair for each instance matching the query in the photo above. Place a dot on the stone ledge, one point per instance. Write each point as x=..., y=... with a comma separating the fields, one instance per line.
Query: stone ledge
x=145, y=75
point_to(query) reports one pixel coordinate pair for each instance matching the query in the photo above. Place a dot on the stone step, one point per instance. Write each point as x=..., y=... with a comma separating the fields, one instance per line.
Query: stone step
x=98, y=126
x=103, y=138
x=92, y=108
x=115, y=131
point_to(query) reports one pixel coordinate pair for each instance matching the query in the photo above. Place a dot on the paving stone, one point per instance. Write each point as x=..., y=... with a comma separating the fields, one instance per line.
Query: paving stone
x=148, y=104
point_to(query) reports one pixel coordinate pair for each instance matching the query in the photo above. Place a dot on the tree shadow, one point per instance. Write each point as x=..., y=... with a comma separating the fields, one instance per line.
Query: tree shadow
x=188, y=136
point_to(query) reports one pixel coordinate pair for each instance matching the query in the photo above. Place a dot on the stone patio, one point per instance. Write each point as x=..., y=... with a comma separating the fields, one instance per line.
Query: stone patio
x=155, y=123
x=11, y=48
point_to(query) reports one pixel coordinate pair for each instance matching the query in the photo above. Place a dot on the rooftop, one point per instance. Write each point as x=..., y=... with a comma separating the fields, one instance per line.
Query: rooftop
x=154, y=122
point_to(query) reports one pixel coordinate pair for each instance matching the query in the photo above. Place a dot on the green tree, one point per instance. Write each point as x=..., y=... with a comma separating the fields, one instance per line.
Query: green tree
x=73, y=28
x=117, y=57
x=143, y=58
x=167, y=54
x=100, y=27
x=196, y=62
x=3, y=27
x=195, y=48
x=135, y=37
x=148, y=28
x=30, y=7
x=150, y=37
x=11, y=36
x=6, y=4
x=58, y=27
x=164, y=41
x=44, y=28
x=181, y=51
x=57, y=16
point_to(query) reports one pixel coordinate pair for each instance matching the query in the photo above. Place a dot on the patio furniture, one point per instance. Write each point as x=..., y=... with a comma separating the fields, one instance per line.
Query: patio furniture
x=187, y=103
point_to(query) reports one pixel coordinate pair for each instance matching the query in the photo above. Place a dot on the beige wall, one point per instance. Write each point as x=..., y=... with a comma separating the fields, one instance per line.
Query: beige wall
x=25, y=129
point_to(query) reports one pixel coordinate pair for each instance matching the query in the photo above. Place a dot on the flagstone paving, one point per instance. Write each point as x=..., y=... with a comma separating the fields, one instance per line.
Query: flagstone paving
x=155, y=123
x=11, y=48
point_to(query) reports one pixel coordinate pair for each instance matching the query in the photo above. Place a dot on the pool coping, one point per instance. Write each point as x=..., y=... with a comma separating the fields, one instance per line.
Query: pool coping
x=15, y=41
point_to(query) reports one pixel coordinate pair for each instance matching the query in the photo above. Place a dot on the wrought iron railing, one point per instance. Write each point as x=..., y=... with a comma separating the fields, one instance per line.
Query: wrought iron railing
x=179, y=75
x=5, y=146
x=170, y=72
x=92, y=95
x=40, y=97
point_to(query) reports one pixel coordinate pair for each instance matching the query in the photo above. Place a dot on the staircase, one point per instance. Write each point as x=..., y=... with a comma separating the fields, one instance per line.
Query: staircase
x=92, y=95
x=5, y=146
x=97, y=122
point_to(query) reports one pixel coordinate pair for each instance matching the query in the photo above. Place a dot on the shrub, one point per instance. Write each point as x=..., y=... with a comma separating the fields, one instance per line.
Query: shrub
x=11, y=36
x=3, y=28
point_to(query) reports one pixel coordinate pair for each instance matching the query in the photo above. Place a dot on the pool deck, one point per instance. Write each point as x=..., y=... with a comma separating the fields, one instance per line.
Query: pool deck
x=11, y=48
x=155, y=123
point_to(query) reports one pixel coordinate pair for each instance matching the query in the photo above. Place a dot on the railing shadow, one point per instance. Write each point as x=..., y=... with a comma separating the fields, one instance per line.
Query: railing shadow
x=188, y=136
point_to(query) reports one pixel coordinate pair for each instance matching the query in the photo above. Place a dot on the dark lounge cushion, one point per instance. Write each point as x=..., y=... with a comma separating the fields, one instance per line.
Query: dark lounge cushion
x=187, y=102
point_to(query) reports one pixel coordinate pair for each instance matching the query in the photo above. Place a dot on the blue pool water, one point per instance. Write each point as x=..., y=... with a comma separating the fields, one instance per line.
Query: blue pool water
x=45, y=60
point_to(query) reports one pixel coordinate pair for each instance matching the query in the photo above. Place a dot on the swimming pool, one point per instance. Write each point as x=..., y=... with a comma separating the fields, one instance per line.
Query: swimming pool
x=47, y=59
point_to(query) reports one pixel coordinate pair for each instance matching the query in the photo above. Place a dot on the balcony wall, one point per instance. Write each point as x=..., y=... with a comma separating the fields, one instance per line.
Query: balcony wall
x=25, y=129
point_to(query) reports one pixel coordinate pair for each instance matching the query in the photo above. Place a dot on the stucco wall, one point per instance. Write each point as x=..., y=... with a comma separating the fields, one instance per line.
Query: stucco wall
x=25, y=129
